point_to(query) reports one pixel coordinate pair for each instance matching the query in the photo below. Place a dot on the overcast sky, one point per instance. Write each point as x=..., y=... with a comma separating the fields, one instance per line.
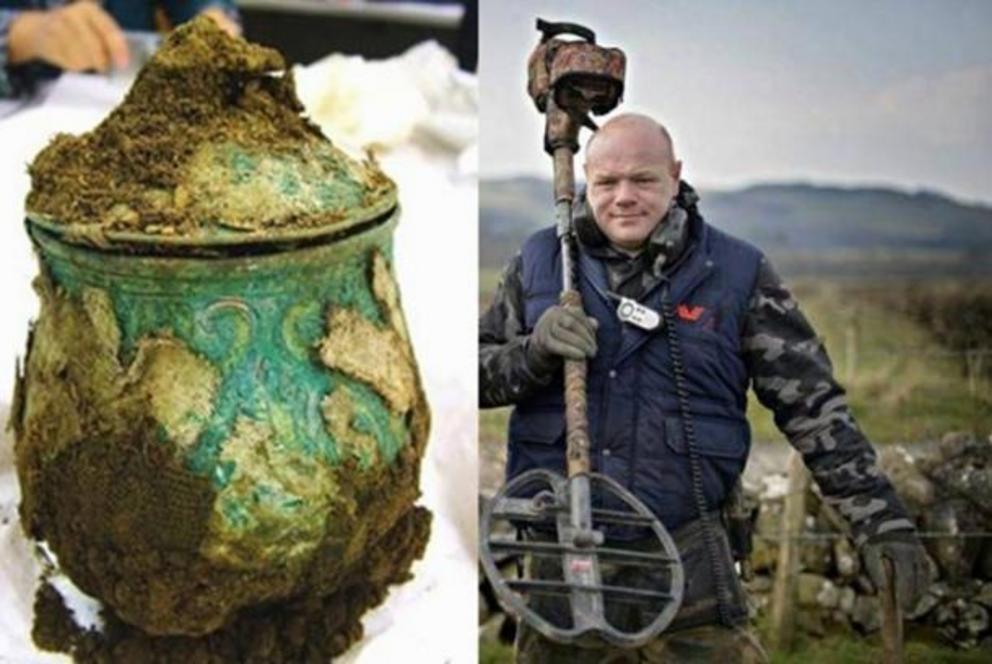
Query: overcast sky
x=844, y=92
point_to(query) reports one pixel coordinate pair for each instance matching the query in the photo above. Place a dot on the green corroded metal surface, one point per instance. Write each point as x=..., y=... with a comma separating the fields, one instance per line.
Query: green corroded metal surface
x=235, y=186
x=257, y=321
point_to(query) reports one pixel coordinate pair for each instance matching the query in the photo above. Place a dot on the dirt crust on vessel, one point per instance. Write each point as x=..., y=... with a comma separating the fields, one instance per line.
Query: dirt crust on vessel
x=210, y=134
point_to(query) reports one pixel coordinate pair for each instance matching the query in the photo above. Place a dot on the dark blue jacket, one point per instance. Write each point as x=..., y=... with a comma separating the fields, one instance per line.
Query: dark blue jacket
x=634, y=421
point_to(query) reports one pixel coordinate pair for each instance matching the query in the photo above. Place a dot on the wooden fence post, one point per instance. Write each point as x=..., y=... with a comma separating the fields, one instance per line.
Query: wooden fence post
x=973, y=360
x=784, y=607
x=850, y=351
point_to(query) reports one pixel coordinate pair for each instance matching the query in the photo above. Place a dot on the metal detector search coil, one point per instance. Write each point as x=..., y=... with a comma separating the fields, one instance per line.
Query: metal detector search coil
x=542, y=500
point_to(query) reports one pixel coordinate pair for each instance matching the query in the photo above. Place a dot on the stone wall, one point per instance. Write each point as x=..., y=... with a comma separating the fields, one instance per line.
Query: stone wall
x=947, y=487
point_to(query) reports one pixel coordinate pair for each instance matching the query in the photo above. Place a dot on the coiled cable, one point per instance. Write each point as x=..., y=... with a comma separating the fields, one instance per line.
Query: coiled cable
x=695, y=464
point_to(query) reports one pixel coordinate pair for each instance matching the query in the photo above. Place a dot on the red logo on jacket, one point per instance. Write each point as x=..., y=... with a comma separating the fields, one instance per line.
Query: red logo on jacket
x=689, y=313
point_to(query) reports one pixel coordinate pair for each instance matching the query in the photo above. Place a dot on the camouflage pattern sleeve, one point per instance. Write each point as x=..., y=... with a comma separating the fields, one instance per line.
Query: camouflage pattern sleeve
x=793, y=377
x=505, y=375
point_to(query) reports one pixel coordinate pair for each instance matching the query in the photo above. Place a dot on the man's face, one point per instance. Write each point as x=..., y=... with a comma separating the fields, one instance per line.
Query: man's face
x=632, y=179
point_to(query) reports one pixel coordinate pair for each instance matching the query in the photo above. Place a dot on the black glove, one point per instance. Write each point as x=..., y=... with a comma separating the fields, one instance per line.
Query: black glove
x=909, y=562
x=562, y=332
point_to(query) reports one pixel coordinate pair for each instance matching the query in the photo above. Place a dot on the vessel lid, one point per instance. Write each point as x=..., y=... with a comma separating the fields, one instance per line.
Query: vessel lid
x=208, y=148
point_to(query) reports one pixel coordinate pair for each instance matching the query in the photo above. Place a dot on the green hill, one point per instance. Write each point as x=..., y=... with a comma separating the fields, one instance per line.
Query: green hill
x=806, y=229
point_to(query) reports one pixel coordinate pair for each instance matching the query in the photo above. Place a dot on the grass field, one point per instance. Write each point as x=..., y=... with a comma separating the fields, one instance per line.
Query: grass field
x=833, y=649
x=903, y=384
x=920, y=648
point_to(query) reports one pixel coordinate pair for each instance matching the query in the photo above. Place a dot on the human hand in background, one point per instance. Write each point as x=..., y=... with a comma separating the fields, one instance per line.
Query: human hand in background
x=223, y=21
x=77, y=37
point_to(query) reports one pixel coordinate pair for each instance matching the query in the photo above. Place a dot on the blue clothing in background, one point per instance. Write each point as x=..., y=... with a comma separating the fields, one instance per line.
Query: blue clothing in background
x=129, y=14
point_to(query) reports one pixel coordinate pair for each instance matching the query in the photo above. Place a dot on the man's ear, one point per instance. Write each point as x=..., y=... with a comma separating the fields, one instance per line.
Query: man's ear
x=677, y=170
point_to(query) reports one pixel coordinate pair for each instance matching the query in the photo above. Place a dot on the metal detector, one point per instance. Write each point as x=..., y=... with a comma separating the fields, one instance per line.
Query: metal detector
x=568, y=80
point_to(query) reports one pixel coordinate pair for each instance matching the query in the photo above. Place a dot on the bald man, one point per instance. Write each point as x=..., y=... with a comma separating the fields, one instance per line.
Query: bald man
x=641, y=239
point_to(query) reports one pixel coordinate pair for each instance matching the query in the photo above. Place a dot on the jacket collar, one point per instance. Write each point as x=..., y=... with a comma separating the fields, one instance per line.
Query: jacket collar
x=678, y=281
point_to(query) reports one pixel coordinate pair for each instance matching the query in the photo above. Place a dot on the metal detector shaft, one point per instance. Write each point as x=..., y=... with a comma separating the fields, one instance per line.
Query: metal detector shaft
x=565, y=128
x=576, y=422
x=581, y=569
